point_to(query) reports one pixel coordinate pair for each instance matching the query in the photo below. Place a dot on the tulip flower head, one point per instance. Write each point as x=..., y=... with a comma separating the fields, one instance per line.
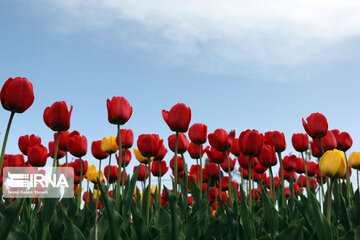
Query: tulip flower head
x=17, y=95
x=140, y=157
x=119, y=110
x=96, y=150
x=26, y=142
x=198, y=133
x=333, y=164
x=316, y=125
x=57, y=117
x=300, y=142
x=354, y=160
x=221, y=140
x=109, y=145
x=178, y=118
x=276, y=139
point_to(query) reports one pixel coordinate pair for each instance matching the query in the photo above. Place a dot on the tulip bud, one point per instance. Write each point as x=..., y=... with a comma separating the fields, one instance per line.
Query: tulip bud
x=333, y=164
x=178, y=118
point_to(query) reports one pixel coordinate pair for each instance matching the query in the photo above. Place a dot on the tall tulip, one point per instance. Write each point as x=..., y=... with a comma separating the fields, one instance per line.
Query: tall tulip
x=300, y=142
x=316, y=125
x=16, y=96
x=37, y=155
x=26, y=142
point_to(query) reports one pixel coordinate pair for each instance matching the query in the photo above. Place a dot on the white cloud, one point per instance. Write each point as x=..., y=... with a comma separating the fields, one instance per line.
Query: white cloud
x=213, y=34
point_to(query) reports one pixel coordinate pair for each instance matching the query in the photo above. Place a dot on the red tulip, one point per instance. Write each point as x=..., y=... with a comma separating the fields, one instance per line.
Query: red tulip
x=159, y=172
x=76, y=144
x=224, y=165
x=276, y=139
x=343, y=140
x=300, y=142
x=315, y=150
x=11, y=160
x=26, y=142
x=221, y=140
x=178, y=118
x=76, y=166
x=244, y=161
x=17, y=95
x=128, y=157
x=180, y=165
x=328, y=142
x=301, y=181
x=316, y=125
x=251, y=142
x=235, y=148
x=144, y=171
x=212, y=170
x=267, y=156
x=194, y=169
x=111, y=173
x=311, y=168
x=96, y=150
x=198, y=133
x=205, y=175
x=258, y=167
x=60, y=154
x=62, y=140
x=213, y=192
x=37, y=155
x=119, y=110
x=244, y=173
x=289, y=162
x=193, y=150
x=224, y=183
x=161, y=153
x=183, y=143
x=149, y=144
x=300, y=166
x=57, y=117
x=215, y=156
x=127, y=138
x=288, y=175
x=319, y=175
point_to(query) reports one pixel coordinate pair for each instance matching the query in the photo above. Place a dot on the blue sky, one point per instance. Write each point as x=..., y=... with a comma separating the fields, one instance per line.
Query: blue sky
x=238, y=65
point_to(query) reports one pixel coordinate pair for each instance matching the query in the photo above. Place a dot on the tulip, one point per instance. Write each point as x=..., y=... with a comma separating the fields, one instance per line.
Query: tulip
x=225, y=167
x=178, y=118
x=311, y=168
x=37, y=155
x=244, y=161
x=212, y=170
x=80, y=167
x=288, y=175
x=316, y=125
x=159, y=168
x=119, y=110
x=343, y=139
x=97, y=152
x=221, y=140
x=27, y=141
x=354, y=162
x=300, y=142
x=111, y=173
x=275, y=139
x=17, y=96
x=126, y=155
x=161, y=153
x=289, y=162
x=13, y=160
x=235, y=148
x=149, y=144
x=60, y=154
x=62, y=139
x=143, y=172
x=251, y=142
x=127, y=138
x=91, y=173
x=258, y=167
x=300, y=167
x=194, y=150
x=57, y=117
x=179, y=162
x=267, y=156
x=183, y=143
x=328, y=142
x=76, y=144
x=215, y=156
x=198, y=133
x=332, y=163
x=140, y=157
x=109, y=145
x=315, y=150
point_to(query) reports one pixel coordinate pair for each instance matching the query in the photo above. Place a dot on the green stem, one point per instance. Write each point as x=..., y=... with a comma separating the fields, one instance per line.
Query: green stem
x=272, y=192
x=249, y=176
x=306, y=174
x=119, y=171
x=108, y=173
x=5, y=139
x=123, y=172
x=159, y=183
x=328, y=212
x=201, y=171
x=149, y=205
x=44, y=231
x=56, y=160
x=175, y=162
x=219, y=179
x=357, y=178
x=321, y=146
x=282, y=180
x=97, y=194
x=348, y=183
x=230, y=178
x=80, y=188
x=242, y=178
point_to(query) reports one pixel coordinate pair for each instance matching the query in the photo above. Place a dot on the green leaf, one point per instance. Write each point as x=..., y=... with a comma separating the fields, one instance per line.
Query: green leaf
x=10, y=215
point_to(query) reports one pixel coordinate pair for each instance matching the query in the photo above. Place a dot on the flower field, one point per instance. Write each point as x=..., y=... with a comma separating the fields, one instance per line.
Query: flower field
x=310, y=197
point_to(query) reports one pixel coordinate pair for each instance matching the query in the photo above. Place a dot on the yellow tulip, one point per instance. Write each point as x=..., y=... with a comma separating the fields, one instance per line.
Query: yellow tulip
x=96, y=194
x=354, y=160
x=109, y=145
x=333, y=163
x=153, y=189
x=91, y=173
x=140, y=157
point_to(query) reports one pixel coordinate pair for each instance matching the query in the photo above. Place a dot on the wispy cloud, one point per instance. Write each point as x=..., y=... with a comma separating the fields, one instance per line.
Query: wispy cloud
x=215, y=35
